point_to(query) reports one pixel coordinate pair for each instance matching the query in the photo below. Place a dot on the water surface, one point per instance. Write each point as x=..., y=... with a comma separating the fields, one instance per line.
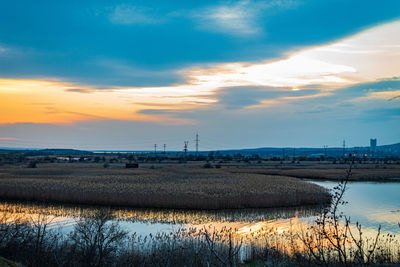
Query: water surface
x=371, y=204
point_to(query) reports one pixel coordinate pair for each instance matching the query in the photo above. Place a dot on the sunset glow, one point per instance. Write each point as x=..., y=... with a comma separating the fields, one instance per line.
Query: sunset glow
x=358, y=69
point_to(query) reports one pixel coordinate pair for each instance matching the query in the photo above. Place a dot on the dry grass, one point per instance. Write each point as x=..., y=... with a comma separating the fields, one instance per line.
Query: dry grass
x=325, y=171
x=168, y=187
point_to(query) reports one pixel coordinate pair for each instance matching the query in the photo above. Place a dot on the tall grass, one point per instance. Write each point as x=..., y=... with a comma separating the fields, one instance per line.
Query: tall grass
x=325, y=171
x=97, y=240
x=172, y=187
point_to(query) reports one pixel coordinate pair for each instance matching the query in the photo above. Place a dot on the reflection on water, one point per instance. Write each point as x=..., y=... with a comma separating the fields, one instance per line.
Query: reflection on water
x=159, y=215
x=371, y=204
x=138, y=220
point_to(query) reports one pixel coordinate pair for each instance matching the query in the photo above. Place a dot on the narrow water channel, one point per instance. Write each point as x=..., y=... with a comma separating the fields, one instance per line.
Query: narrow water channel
x=370, y=204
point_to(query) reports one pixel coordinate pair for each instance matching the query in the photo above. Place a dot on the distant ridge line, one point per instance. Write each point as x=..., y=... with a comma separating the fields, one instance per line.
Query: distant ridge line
x=392, y=147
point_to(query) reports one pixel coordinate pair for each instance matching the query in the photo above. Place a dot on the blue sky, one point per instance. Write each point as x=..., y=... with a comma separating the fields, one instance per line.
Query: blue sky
x=99, y=74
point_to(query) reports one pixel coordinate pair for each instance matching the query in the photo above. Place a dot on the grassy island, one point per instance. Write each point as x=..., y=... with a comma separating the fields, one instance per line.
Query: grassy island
x=177, y=186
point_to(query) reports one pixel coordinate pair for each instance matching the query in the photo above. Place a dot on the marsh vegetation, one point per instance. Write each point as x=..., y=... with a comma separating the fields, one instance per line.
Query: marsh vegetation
x=167, y=187
x=97, y=240
x=29, y=235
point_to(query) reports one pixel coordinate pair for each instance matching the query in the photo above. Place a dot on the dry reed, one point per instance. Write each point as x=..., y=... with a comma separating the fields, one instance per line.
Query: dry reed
x=169, y=187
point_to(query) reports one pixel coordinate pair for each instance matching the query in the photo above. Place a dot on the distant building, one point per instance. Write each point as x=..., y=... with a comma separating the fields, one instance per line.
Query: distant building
x=372, y=146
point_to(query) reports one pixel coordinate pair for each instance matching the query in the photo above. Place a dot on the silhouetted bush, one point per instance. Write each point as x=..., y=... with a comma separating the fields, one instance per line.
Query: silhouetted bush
x=32, y=164
x=207, y=165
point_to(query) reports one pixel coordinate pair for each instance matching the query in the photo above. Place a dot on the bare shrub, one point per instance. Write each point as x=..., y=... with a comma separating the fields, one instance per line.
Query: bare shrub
x=96, y=241
x=333, y=240
x=223, y=246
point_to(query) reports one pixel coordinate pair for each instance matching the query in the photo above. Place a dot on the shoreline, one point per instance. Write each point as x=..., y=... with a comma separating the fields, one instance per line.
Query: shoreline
x=101, y=206
x=328, y=174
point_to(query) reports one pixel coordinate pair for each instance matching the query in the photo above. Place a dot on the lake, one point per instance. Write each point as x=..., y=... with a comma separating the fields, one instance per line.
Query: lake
x=371, y=204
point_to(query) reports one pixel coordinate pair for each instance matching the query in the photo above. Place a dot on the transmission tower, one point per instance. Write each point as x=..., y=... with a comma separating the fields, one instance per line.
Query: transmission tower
x=165, y=146
x=185, y=148
x=197, y=143
x=344, y=147
x=325, y=150
x=155, y=149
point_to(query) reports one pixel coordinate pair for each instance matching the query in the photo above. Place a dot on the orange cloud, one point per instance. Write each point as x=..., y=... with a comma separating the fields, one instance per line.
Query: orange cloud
x=49, y=101
x=331, y=66
x=7, y=139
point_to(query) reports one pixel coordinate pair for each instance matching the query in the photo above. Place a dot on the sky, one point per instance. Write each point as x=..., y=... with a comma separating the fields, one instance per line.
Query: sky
x=125, y=75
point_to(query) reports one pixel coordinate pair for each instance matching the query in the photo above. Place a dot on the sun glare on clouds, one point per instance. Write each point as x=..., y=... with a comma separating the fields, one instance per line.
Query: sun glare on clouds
x=364, y=57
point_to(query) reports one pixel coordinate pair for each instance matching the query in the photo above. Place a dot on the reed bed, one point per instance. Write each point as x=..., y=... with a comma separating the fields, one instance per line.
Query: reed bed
x=170, y=187
x=325, y=172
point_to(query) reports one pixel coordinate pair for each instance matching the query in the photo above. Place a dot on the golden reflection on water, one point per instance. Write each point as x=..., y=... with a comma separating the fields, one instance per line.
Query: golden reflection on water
x=281, y=230
x=156, y=216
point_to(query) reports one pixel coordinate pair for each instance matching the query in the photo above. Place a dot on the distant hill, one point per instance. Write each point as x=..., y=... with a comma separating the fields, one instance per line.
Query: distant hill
x=384, y=150
x=59, y=151
x=394, y=147
x=46, y=152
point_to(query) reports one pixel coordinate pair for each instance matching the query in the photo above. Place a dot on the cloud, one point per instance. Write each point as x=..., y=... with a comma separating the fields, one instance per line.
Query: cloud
x=301, y=77
x=255, y=96
x=155, y=111
x=380, y=85
x=374, y=53
x=50, y=101
x=236, y=18
x=123, y=73
x=8, y=139
x=165, y=36
x=386, y=89
x=78, y=90
x=129, y=14
x=295, y=71
x=355, y=101
x=307, y=85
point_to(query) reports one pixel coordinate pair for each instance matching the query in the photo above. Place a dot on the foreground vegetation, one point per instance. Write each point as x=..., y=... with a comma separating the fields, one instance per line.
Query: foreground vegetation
x=190, y=187
x=97, y=241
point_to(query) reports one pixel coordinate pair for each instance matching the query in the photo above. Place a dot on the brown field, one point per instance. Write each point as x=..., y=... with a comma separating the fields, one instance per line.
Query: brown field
x=178, y=186
x=324, y=171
